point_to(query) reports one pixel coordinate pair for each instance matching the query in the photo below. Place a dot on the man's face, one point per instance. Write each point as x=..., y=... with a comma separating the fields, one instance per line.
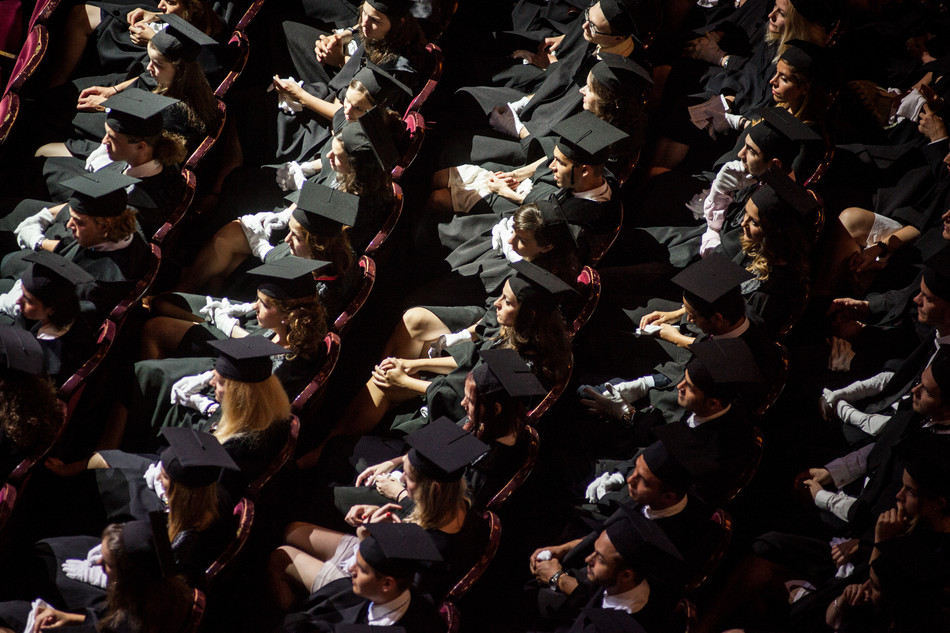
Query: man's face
x=468, y=402
x=366, y=582
x=689, y=396
x=602, y=564
x=596, y=28
x=751, y=156
x=85, y=229
x=118, y=145
x=563, y=169
x=946, y=224
x=927, y=397
x=644, y=487
x=697, y=319
x=931, y=309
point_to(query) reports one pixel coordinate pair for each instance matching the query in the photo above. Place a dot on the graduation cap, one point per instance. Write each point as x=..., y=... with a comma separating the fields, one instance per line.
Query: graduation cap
x=505, y=370
x=145, y=544
x=370, y=133
x=940, y=368
x=398, y=549
x=598, y=620
x=20, y=351
x=689, y=450
x=288, y=278
x=621, y=75
x=441, y=450
x=533, y=283
x=381, y=86
x=323, y=211
x=246, y=359
x=807, y=58
x=937, y=273
x=667, y=467
x=193, y=457
x=817, y=11
x=643, y=545
x=719, y=366
x=926, y=457
x=344, y=627
x=392, y=8
x=99, y=193
x=913, y=571
x=180, y=40
x=136, y=112
x=555, y=225
x=586, y=139
x=620, y=16
x=779, y=134
x=712, y=278
x=52, y=274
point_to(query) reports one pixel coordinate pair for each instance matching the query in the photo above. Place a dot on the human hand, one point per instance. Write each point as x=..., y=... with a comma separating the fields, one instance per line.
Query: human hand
x=200, y=403
x=271, y=221
x=211, y=304
x=10, y=300
x=842, y=553
x=866, y=260
x=138, y=15
x=544, y=569
x=813, y=487
x=705, y=48
x=931, y=125
x=31, y=232
x=290, y=176
x=390, y=375
x=91, y=98
x=369, y=475
x=84, y=571
x=498, y=185
x=386, y=514
x=510, y=178
x=854, y=595
x=604, y=406
x=360, y=514
x=189, y=385
x=94, y=555
x=49, y=618
x=658, y=317
x=141, y=33
x=389, y=487
x=221, y=317
x=731, y=177
x=891, y=523
x=556, y=552
x=288, y=88
x=153, y=482
x=934, y=101
x=330, y=50
x=501, y=233
x=603, y=484
x=827, y=404
x=850, y=308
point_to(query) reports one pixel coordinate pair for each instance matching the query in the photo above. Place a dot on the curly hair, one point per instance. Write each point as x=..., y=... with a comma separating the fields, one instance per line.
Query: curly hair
x=783, y=241
x=306, y=324
x=200, y=15
x=191, y=507
x=117, y=228
x=30, y=414
x=437, y=502
x=540, y=335
x=404, y=39
x=195, y=95
x=796, y=28
x=139, y=602
x=251, y=407
x=335, y=248
x=168, y=148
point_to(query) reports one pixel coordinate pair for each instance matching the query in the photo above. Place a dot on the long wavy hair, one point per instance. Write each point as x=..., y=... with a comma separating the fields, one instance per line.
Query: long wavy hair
x=30, y=414
x=335, y=248
x=367, y=178
x=783, y=242
x=540, y=335
x=251, y=407
x=306, y=324
x=437, y=502
x=191, y=87
x=404, y=39
x=139, y=602
x=796, y=28
x=191, y=507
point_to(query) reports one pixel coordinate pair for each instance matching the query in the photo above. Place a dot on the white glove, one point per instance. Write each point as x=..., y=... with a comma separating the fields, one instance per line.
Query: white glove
x=732, y=177
x=213, y=308
x=543, y=555
x=602, y=485
x=448, y=340
x=501, y=233
x=828, y=403
x=735, y=121
x=221, y=317
x=153, y=482
x=260, y=247
x=84, y=571
x=631, y=390
x=270, y=221
x=10, y=301
x=516, y=107
x=709, y=241
x=291, y=176
x=190, y=385
x=98, y=159
x=94, y=555
x=202, y=404
x=31, y=232
x=911, y=105
x=238, y=309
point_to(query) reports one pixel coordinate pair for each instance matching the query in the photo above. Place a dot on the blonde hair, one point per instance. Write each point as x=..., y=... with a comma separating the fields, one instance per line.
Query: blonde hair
x=437, y=502
x=796, y=28
x=191, y=507
x=251, y=407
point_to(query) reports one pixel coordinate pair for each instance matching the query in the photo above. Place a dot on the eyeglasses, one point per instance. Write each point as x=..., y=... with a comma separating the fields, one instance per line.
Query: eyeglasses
x=590, y=24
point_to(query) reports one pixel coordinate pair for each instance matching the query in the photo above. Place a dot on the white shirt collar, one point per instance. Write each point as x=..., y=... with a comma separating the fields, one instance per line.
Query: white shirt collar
x=144, y=170
x=674, y=509
x=112, y=246
x=597, y=194
x=390, y=612
x=630, y=601
x=694, y=420
x=736, y=333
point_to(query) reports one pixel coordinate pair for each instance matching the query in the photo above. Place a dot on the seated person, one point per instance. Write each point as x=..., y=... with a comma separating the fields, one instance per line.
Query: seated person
x=379, y=587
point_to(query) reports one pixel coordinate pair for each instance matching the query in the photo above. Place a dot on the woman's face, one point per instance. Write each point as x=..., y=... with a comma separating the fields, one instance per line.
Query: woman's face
x=506, y=307
x=268, y=315
x=525, y=244
x=468, y=402
x=409, y=478
x=591, y=102
x=374, y=24
x=355, y=104
x=85, y=229
x=164, y=479
x=218, y=383
x=34, y=309
x=751, y=225
x=785, y=89
x=172, y=6
x=107, y=563
x=339, y=161
x=777, y=17
x=161, y=70
x=297, y=239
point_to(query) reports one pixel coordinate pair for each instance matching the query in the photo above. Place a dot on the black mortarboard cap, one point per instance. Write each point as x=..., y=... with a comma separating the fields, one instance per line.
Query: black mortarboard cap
x=807, y=58
x=100, y=193
x=345, y=627
x=689, y=449
x=620, y=17
x=136, y=112
x=913, y=571
x=586, y=139
x=180, y=40
x=667, y=467
x=817, y=11
x=393, y=8
x=322, y=210
x=533, y=283
x=940, y=368
x=937, y=273
x=441, y=450
x=145, y=544
x=719, y=364
x=381, y=86
x=288, y=278
x=712, y=277
x=398, y=549
x=795, y=196
x=599, y=620
x=778, y=133
x=193, y=457
x=552, y=213
x=643, y=545
x=52, y=274
x=926, y=457
x=621, y=75
x=370, y=133
x=246, y=359
x=20, y=351
x=505, y=370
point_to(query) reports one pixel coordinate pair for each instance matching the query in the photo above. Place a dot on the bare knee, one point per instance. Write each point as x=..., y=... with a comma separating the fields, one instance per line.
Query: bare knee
x=51, y=150
x=419, y=322
x=294, y=530
x=84, y=18
x=857, y=221
x=440, y=200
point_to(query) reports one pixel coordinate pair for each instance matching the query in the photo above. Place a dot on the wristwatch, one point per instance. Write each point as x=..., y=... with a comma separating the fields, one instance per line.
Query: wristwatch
x=552, y=581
